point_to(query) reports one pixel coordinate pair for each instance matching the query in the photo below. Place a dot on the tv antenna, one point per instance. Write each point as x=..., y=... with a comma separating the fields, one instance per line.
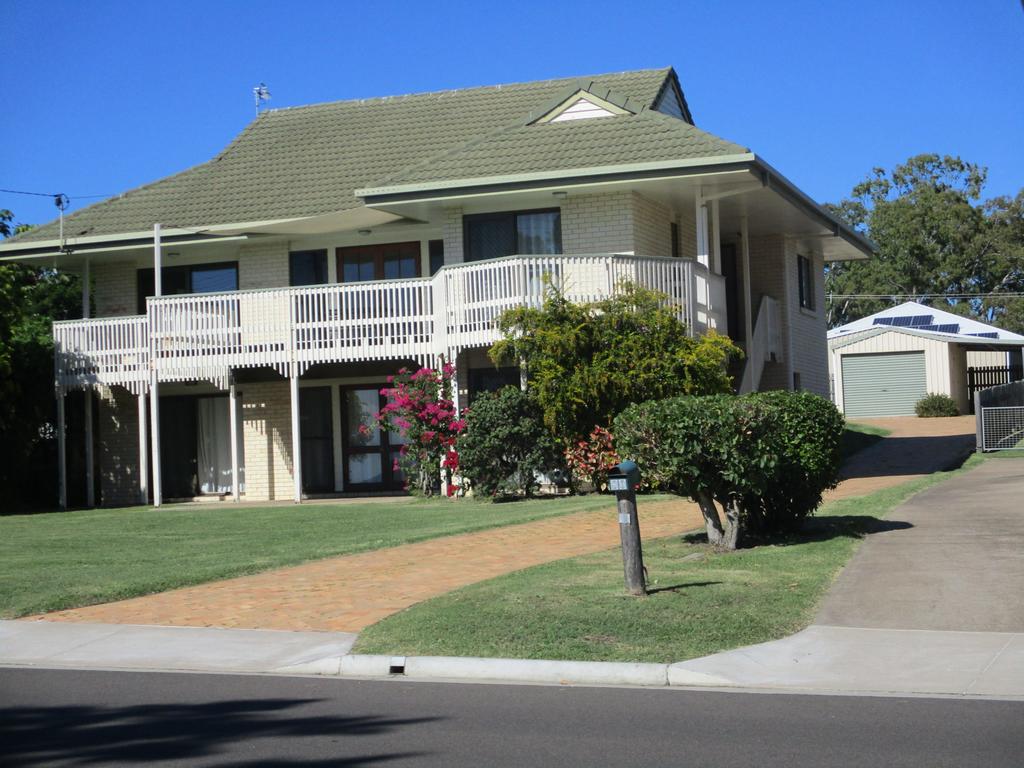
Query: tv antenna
x=260, y=94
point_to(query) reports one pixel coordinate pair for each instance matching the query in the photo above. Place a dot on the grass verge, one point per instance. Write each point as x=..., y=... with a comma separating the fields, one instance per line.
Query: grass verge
x=702, y=601
x=69, y=559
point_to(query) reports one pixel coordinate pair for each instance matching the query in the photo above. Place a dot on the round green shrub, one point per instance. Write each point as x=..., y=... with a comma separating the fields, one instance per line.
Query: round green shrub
x=765, y=458
x=505, y=446
x=934, y=404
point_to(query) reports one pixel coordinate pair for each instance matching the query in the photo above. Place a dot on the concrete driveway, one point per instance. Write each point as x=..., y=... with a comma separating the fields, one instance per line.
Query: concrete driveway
x=957, y=564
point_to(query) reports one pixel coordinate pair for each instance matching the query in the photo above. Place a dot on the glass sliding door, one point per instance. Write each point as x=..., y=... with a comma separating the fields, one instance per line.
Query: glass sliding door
x=213, y=444
x=370, y=453
x=317, y=434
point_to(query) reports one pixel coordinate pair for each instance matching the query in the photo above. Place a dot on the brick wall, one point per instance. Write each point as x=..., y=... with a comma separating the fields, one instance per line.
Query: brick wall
x=114, y=288
x=598, y=223
x=267, y=440
x=808, y=339
x=263, y=265
x=452, y=234
x=118, y=433
x=768, y=271
x=652, y=227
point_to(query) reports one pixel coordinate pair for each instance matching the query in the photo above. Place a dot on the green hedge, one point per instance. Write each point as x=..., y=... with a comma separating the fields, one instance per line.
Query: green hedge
x=765, y=459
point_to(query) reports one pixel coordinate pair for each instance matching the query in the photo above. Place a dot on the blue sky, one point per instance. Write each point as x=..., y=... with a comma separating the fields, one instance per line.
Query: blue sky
x=101, y=97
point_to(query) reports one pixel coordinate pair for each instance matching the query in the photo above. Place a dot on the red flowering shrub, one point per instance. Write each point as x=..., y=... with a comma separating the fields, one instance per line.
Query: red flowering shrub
x=420, y=409
x=592, y=459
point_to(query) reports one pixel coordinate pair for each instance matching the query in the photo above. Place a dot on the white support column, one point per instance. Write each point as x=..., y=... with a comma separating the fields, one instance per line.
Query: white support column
x=154, y=384
x=62, y=453
x=158, y=282
x=90, y=459
x=296, y=437
x=716, y=240
x=154, y=432
x=701, y=217
x=748, y=310
x=143, y=452
x=233, y=426
x=86, y=288
x=90, y=478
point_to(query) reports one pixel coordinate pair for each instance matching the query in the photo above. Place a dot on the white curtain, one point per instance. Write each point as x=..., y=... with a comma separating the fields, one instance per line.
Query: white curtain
x=214, y=449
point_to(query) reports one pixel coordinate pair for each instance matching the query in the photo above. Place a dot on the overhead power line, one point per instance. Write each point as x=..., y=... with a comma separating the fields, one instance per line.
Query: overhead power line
x=51, y=194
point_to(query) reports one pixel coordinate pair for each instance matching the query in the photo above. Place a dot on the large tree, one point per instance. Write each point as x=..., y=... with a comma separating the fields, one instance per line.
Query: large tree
x=30, y=299
x=939, y=243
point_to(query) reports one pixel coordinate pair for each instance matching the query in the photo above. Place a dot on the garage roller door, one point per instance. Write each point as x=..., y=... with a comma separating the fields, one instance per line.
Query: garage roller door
x=883, y=385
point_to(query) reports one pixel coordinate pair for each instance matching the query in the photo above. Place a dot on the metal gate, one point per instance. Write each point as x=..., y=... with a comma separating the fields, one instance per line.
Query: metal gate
x=1002, y=428
x=1000, y=417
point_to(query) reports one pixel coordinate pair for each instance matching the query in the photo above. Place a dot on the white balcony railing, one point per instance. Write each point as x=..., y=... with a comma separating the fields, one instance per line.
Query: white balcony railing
x=205, y=336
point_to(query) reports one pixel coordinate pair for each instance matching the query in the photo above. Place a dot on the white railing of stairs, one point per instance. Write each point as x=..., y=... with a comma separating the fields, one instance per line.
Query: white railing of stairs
x=765, y=346
x=204, y=336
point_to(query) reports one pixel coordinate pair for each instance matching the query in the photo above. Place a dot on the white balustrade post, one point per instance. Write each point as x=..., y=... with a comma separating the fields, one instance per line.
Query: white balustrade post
x=296, y=438
x=62, y=453
x=143, y=452
x=233, y=411
x=154, y=431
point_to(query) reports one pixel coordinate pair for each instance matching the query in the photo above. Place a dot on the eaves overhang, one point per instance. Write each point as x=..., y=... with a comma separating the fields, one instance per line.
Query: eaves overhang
x=770, y=178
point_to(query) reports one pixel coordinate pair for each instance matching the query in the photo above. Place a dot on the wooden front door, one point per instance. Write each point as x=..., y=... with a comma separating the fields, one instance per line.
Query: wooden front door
x=390, y=261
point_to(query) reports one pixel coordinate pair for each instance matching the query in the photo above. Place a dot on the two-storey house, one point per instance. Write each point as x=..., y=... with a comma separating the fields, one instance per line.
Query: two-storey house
x=245, y=312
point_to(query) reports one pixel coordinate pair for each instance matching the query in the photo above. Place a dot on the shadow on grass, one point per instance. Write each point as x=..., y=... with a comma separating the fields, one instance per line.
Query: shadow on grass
x=677, y=587
x=133, y=735
x=816, y=529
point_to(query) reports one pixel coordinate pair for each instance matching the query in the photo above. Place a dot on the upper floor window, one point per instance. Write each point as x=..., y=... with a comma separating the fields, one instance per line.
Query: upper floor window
x=307, y=267
x=805, y=278
x=187, y=278
x=493, y=235
x=390, y=261
x=436, y=256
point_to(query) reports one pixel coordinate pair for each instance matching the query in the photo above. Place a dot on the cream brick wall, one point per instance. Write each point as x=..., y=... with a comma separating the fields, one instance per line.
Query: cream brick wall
x=267, y=439
x=452, y=234
x=652, y=227
x=687, y=234
x=768, y=278
x=809, y=338
x=118, y=432
x=114, y=288
x=598, y=223
x=263, y=264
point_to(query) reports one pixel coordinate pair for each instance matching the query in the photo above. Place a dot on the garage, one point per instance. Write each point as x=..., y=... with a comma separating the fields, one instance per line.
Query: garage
x=883, y=384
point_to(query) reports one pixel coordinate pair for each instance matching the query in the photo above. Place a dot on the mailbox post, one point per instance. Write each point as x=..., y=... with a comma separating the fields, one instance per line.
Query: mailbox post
x=623, y=480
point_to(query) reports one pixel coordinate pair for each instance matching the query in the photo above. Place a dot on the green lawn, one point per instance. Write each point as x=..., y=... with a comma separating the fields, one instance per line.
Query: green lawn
x=67, y=559
x=702, y=602
x=857, y=437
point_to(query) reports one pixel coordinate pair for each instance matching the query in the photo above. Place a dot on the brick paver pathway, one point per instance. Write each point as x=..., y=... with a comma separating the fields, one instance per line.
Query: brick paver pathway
x=351, y=592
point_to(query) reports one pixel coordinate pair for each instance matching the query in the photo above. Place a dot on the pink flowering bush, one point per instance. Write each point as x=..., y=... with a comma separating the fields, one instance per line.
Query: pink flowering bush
x=420, y=408
x=593, y=458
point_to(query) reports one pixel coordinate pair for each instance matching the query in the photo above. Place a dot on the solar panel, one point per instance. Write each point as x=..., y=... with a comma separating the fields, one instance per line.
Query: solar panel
x=985, y=335
x=909, y=321
x=947, y=328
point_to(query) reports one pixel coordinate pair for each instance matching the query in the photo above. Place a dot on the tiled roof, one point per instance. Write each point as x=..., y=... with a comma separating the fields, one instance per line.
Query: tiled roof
x=307, y=161
x=648, y=136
